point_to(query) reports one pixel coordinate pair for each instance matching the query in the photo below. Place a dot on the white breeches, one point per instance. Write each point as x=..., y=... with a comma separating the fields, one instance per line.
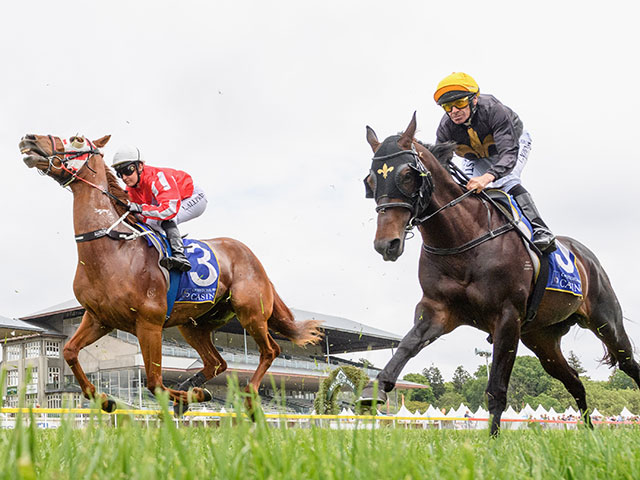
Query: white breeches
x=190, y=208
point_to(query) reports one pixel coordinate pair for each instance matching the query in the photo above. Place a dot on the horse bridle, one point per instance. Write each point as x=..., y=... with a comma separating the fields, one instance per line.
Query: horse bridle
x=64, y=158
x=68, y=156
x=418, y=202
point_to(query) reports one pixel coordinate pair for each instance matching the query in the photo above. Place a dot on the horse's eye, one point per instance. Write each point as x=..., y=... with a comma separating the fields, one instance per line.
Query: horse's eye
x=408, y=182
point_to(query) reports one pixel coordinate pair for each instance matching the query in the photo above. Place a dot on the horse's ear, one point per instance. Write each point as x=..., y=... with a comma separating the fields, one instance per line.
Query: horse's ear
x=101, y=142
x=407, y=137
x=372, y=138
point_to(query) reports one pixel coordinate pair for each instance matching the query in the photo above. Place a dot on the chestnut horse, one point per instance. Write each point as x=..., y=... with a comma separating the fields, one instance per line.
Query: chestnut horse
x=120, y=285
x=484, y=284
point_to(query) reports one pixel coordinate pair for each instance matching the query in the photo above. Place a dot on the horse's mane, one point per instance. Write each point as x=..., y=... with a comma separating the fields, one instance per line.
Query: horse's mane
x=442, y=151
x=116, y=190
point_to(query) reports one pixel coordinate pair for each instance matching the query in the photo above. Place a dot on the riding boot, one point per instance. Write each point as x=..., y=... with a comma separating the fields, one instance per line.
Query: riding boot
x=177, y=260
x=542, y=236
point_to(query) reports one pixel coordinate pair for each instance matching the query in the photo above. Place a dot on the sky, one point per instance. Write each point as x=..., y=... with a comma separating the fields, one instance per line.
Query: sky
x=265, y=104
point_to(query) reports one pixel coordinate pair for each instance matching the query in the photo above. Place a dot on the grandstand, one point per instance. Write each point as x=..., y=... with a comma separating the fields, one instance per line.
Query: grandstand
x=114, y=363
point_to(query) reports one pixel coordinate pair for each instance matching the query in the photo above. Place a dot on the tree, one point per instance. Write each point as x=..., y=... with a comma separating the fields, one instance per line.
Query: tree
x=435, y=380
x=620, y=380
x=418, y=394
x=474, y=392
x=574, y=362
x=450, y=400
x=527, y=378
x=460, y=378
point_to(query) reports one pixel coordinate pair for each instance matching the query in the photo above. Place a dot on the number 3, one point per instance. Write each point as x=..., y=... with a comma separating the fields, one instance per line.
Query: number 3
x=203, y=260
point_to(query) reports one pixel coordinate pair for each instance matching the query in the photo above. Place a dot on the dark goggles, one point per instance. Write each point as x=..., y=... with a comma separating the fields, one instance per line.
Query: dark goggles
x=459, y=103
x=127, y=170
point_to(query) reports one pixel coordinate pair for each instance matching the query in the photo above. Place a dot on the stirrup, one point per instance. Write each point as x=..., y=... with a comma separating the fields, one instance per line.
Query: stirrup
x=545, y=241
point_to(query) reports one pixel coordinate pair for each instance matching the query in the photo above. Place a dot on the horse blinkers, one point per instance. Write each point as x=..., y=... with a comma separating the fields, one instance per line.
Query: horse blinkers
x=388, y=167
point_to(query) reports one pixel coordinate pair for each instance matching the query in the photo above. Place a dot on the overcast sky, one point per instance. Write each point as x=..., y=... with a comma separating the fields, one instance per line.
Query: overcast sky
x=265, y=104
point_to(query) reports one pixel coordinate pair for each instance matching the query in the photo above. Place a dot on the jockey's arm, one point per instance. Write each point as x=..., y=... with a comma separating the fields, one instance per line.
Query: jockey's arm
x=480, y=183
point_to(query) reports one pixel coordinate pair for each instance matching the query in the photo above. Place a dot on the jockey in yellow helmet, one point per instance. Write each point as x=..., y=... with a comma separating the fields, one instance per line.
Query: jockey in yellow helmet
x=493, y=143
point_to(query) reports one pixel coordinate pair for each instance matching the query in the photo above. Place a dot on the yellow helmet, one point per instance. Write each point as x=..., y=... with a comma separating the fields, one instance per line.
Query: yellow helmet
x=455, y=86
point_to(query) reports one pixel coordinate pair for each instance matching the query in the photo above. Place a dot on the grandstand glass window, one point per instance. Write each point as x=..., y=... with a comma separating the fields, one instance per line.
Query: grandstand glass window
x=34, y=375
x=32, y=350
x=13, y=352
x=54, y=401
x=52, y=349
x=54, y=377
x=11, y=401
x=31, y=400
x=12, y=378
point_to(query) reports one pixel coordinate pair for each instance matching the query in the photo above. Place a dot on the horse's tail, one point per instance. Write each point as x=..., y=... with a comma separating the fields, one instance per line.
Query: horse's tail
x=282, y=322
x=609, y=358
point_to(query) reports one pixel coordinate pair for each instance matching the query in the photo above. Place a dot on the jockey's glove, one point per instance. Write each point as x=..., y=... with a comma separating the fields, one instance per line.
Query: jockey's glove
x=135, y=207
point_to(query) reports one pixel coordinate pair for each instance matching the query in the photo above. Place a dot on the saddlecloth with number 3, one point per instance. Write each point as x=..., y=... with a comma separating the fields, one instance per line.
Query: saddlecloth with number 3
x=199, y=285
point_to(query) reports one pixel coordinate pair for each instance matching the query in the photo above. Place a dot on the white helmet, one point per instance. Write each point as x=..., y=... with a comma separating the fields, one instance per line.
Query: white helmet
x=126, y=154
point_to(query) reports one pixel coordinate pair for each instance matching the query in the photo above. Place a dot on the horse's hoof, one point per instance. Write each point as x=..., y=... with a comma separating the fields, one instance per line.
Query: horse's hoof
x=110, y=407
x=180, y=408
x=368, y=399
x=207, y=395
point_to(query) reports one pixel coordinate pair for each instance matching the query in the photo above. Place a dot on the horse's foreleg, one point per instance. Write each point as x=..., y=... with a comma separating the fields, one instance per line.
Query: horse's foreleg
x=428, y=325
x=89, y=331
x=506, y=335
x=150, y=339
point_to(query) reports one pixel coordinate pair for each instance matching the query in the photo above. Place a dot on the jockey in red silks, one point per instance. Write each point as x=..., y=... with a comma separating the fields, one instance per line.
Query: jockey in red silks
x=164, y=197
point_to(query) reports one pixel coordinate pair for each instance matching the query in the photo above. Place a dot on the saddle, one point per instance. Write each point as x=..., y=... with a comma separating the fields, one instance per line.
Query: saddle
x=200, y=284
x=553, y=271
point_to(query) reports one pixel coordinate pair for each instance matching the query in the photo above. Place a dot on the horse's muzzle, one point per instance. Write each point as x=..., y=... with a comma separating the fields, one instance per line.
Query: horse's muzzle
x=389, y=249
x=32, y=160
x=33, y=154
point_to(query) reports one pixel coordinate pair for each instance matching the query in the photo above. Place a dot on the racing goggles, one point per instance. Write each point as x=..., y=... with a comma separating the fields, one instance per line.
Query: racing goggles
x=127, y=170
x=459, y=103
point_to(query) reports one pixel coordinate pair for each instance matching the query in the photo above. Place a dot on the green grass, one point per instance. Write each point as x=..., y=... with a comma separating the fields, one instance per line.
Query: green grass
x=242, y=449
x=255, y=450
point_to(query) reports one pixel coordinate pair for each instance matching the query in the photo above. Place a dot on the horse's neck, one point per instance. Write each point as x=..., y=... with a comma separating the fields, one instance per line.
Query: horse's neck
x=453, y=225
x=92, y=210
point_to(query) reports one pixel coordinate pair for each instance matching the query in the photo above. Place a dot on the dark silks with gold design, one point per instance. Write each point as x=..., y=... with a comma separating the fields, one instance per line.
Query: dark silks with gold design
x=494, y=131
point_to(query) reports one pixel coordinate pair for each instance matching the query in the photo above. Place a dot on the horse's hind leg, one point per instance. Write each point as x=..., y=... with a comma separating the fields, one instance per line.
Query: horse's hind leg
x=150, y=338
x=198, y=335
x=89, y=331
x=606, y=321
x=545, y=344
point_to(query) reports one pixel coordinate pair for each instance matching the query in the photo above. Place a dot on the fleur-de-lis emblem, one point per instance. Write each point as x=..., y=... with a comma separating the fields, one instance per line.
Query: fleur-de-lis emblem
x=385, y=170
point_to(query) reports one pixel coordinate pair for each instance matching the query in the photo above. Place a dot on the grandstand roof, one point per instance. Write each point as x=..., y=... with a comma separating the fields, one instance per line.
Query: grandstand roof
x=342, y=335
x=10, y=327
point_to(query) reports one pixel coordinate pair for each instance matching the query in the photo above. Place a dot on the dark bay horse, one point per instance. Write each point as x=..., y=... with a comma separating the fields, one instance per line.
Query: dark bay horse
x=120, y=285
x=482, y=284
